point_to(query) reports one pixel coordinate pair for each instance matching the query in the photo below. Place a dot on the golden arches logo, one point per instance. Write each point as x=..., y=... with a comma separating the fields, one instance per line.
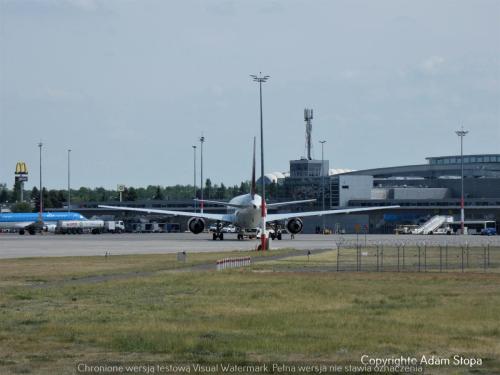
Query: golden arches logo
x=21, y=168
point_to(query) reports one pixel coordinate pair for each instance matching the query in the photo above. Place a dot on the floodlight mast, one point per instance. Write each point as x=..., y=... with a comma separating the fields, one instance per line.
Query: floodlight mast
x=194, y=176
x=462, y=133
x=40, y=214
x=263, y=240
x=323, y=181
x=202, y=140
x=69, y=180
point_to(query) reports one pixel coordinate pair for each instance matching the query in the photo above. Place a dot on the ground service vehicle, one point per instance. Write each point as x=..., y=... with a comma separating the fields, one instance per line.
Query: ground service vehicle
x=114, y=226
x=79, y=226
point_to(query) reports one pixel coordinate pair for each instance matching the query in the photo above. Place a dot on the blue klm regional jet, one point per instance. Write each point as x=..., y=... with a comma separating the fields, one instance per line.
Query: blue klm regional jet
x=29, y=222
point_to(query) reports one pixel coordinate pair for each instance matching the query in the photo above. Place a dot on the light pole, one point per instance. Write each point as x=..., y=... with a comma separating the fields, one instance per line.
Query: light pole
x=462, y=133
x=40, y=216
x=69, y=181
x=260, y=79
x=323, y=182
x=194, y=183
x=202, y=140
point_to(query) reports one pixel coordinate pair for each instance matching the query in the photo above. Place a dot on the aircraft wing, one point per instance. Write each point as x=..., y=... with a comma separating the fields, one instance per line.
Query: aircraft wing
x=218, y=217
x=289, y=215
x=289, y=203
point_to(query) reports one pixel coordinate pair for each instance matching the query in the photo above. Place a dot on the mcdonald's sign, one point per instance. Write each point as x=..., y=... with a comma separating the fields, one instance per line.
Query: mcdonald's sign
x=21, y=168
x=21, y=171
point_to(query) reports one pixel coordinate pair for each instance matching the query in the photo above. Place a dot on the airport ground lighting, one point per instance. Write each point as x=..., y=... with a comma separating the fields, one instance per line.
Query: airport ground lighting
x=69, y=180
x=40, y=217
x=202, y=140
x=462, y=133
x=261, y=79
x=323, y=181
x=194, y=176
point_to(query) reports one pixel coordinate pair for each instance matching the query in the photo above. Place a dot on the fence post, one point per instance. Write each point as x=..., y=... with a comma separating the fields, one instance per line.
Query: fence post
x=378, y=254
x=446, y=257
x=467, y=249
x=399, y=246
x=488, y=255
x=382, y=257
x=418, y=246
x=440, y=258
x=462, y=247
x=359, y=257
x=338, y=256
x=484, y=258
x=425, y=257
x=404, y=257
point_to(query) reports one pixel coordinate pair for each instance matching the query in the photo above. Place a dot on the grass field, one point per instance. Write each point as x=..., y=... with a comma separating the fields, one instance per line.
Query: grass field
x=27, y=271
x=48, y=323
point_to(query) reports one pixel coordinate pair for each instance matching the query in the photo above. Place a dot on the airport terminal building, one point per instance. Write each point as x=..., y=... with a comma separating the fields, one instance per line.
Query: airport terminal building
x=422, y=191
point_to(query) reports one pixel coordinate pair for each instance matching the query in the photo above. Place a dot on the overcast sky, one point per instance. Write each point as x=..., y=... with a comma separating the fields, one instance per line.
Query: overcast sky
x=129, y=85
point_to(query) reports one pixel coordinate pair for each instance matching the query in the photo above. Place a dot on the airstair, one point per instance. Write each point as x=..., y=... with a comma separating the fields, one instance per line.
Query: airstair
x=432, y=224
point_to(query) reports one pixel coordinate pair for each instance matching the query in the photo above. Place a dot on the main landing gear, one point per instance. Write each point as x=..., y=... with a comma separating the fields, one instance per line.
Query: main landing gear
x=276, y=234
x=218, y=234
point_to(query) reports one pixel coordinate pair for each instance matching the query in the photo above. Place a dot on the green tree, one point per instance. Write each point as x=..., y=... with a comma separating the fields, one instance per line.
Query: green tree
x=54, y=199
x=35, y=197
x=244, y=188
x=221, y=192
x=130, y=194
x=272, y=188
x=101, y=194
x=158, y=194
x=233, y=192
x=62, y=197
x=207, y=189
x=16, y=192
x=83, y=194
x=47, y=203
x=21, y=207
x=4, y=193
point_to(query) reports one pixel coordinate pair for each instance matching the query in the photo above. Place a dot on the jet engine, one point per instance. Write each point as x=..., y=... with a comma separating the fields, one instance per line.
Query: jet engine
x=295, y=225
x=196, y=225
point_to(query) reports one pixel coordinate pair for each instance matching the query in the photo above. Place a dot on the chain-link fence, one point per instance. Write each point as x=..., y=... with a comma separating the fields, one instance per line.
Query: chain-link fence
x=417, y=257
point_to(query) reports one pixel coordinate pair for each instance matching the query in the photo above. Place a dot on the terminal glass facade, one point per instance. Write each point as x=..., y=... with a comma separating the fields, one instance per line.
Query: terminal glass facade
x=468, y=159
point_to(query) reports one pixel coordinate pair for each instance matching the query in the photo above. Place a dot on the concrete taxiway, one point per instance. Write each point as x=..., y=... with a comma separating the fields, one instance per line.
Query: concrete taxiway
x=50, y=245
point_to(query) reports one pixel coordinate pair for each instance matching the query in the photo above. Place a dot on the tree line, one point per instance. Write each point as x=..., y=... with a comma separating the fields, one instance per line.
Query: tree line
x=57, y=198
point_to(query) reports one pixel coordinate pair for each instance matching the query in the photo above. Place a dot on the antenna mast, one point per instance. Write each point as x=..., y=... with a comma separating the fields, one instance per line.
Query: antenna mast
x=308, y=116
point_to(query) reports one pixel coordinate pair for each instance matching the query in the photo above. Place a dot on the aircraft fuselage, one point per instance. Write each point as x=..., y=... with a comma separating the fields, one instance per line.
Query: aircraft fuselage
x=250, y=216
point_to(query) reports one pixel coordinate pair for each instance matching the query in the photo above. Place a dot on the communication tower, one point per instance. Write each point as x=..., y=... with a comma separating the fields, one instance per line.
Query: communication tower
x=308, y=116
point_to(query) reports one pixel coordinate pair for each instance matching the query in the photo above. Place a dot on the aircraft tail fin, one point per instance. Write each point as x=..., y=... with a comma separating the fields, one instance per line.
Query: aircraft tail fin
x=254, y=186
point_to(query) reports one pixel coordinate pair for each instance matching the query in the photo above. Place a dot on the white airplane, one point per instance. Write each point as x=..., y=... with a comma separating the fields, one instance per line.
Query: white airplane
x=244, y=212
